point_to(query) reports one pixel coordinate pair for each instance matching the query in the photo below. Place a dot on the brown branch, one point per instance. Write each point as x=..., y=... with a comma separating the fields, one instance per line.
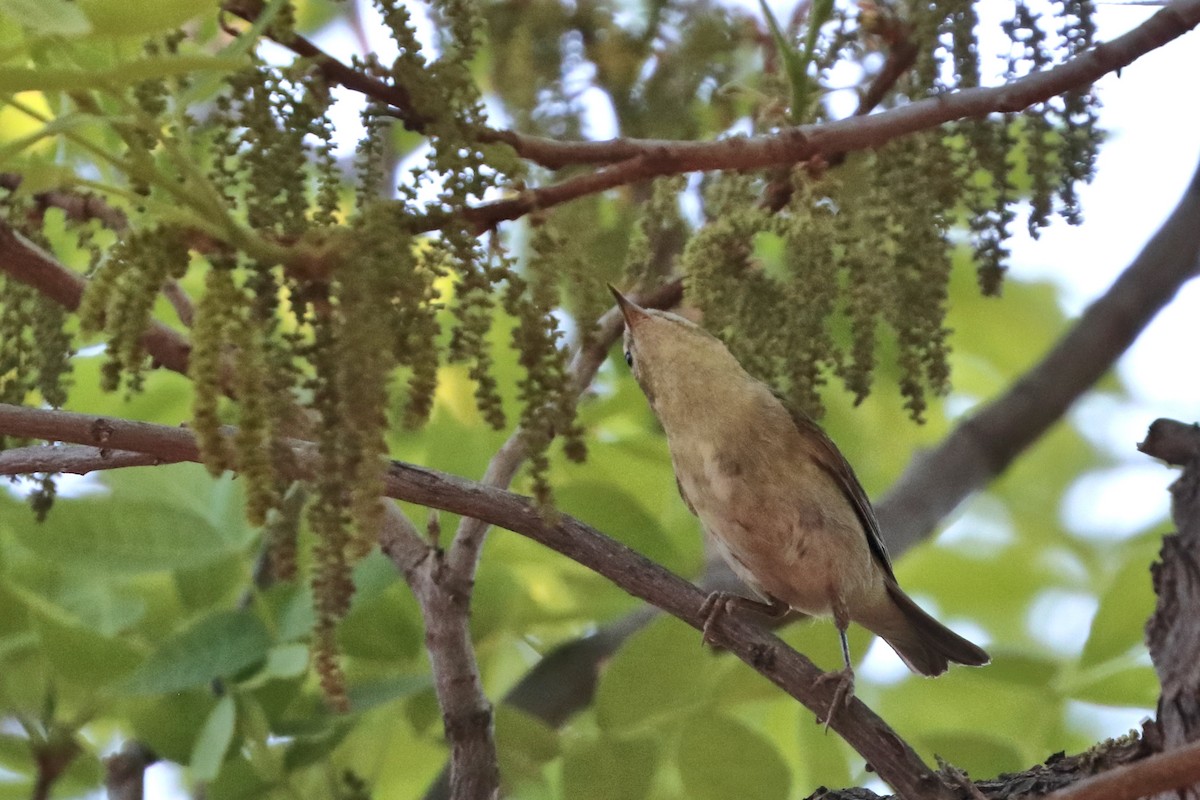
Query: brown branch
x=641, y=159
x=1177, y=443
x=73, y=459
x=889, y=755
x=637, y=160
x=125, y=772
x=179, y=300
x=78, y=206
x=983, y=446
x=1162, y=772
x=445, y=608
x=1173, y=632
x=467, y=712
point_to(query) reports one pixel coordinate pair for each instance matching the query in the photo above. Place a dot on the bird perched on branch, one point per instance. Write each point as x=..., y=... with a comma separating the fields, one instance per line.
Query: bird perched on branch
x=776, y=498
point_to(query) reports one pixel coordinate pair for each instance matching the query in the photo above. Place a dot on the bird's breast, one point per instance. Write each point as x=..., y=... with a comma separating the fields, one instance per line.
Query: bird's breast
x=777, y=521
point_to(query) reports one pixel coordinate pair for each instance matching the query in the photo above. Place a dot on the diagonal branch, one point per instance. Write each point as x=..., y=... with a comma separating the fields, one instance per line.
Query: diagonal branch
x=891, y=757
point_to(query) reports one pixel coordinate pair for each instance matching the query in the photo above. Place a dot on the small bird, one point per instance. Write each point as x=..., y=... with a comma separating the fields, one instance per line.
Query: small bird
x=776, y=498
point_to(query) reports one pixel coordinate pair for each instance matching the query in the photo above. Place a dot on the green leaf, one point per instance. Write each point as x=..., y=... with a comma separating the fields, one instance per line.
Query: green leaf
x=81, y=655
x=213, y=741
x=143, y=17
x=618, y=514
x=656, y=678
x=1133, y=685
x=58, y=79
x=719, y=757
x=305, y=750
x=238, y=780
x=54, y=17
x=15, y=753
x=76, y=651
x=217, y=646
x=524, y=743
x=155, y=518
x=284, y=661
x=609, y=769
x=370, y=695
x=384, y=627
x=1120, y=620
x=168, y=724
x=980, y=754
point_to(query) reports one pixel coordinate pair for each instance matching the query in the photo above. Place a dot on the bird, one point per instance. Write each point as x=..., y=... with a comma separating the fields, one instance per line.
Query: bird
x=776, y=498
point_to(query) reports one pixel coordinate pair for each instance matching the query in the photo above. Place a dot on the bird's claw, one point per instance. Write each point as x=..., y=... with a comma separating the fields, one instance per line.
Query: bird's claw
x=712, y=609
x=843, y=693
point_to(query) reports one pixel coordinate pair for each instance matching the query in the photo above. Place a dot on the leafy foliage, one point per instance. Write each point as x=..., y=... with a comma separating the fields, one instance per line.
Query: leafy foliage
x=354, y=304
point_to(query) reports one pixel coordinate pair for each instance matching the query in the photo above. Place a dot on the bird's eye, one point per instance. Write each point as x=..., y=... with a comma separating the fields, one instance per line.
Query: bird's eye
x=629, y=357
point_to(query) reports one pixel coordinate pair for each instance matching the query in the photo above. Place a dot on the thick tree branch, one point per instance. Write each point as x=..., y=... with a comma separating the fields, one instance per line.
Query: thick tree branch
x=446, y=611
x=982, y=447
x=889, y=755
x=1173, y=632
x=1163, y=772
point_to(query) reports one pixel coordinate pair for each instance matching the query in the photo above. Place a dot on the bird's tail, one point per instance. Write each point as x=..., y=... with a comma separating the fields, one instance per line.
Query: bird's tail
x=924, y=644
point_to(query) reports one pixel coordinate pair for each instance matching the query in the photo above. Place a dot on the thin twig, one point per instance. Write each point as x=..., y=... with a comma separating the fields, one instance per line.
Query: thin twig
x=77, y=205
x=179, y=300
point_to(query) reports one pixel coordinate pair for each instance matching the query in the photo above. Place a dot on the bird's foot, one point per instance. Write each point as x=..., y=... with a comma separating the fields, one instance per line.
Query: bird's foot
x=714, y=607
x=843, y=692
x=718, y=604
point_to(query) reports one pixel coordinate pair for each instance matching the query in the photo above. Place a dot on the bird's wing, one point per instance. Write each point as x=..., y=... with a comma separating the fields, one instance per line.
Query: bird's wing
x=830, y=459
x=683, y=494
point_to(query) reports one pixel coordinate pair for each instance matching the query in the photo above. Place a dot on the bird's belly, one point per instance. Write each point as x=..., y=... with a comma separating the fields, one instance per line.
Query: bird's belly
x=785, y=545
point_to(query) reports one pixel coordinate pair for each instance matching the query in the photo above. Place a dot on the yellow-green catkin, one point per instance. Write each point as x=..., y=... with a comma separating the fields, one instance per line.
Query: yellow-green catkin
x=209, y=366
x=121, y=296
x=657, y=238
x=331, y=580
x=545, y=391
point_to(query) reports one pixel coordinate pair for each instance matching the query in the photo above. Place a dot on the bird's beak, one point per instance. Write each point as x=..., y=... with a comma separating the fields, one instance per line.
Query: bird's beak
x=629, y=309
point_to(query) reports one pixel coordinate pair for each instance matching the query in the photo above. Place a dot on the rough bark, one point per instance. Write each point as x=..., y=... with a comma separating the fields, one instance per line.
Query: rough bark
x=1173, y=632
